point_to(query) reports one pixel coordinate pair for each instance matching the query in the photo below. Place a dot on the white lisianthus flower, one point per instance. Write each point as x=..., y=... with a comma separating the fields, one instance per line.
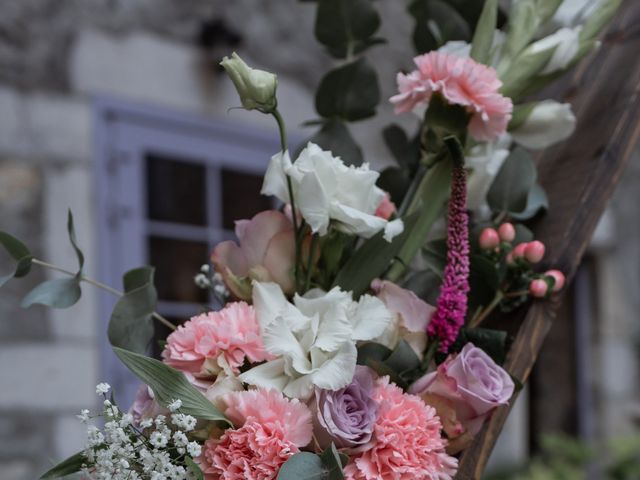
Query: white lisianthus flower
x=257, y=88
x=574, y=12
x=326, y=190
x=565, y=42
x=548, y=123
x=314, y=339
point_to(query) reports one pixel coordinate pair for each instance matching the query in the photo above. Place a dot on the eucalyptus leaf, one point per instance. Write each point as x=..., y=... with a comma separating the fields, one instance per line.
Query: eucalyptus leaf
x=371, y=260
x=74, y=243
x=71, y=465
x=406, y=152
x=332, y=462
x=395, y=181
x=523, y=234
x=537, y=201
x=510, y=189
x=484, y=282
x=425, y=284
x=494, y=342
x=131, y=323
x=335, y=136
x=446, y=23
x=20, y=253
x=403, y=358
x=346, y=27
x=58, y=293
x=350, y=92
x=169, y=384
x=194, y=467
x=483, y=36
x=303, y=466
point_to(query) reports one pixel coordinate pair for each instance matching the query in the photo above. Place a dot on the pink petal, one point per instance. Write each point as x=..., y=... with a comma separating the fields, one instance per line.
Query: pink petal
x=280, y=260
x=255, y=234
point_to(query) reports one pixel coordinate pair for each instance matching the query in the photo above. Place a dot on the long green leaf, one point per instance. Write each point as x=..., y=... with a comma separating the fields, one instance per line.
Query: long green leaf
x=483, y=36
x=169, y=384
x=71, y=465
x=434, y=191
x=371, y=260
x=20, y=253
x=131, y=324
x=195, y=468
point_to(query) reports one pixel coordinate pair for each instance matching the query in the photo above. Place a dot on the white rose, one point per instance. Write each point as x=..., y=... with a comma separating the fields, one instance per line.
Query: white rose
x=326, y=190
x=314, y=339
x=548, y=123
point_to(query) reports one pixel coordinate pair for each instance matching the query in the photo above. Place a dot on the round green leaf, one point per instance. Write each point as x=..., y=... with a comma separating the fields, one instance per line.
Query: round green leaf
x=510, y=189
x=59, y=293
x=335, y=136
x=350, y=92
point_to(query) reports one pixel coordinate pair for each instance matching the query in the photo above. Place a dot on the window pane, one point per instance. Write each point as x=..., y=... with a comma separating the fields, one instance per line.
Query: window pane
x=241, y=197
x=176, y=190
x=177, y=262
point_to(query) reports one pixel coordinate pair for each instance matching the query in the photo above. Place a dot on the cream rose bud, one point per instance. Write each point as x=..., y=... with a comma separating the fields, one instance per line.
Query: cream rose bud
x=548, y=123
x=257, y=88
x=465, y=389
x=326, y=191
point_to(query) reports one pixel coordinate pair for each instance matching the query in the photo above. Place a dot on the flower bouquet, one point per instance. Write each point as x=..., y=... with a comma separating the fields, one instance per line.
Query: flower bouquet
x=350, y=341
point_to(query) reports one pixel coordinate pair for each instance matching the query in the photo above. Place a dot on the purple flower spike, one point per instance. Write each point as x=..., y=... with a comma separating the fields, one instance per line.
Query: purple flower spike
x=451, y=308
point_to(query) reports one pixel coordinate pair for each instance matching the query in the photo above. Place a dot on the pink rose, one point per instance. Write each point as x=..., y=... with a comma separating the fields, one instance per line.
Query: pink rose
x=266, y=253
x=464, y=390
x=145, y=406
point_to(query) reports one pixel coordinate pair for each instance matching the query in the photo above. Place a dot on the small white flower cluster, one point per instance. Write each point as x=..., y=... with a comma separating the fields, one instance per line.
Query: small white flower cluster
x=214, y=283
x=155, y=449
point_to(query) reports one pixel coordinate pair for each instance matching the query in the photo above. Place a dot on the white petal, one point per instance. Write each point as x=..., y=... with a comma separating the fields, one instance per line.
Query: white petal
x=275, y=180
x=355, y=221
x=268, y=375
x=337, y=372
x=313, y=203
x=301, y=387
x=392, y=229
x=334, y=329
x=370, y=318
x=268, y=301
x=548, y=123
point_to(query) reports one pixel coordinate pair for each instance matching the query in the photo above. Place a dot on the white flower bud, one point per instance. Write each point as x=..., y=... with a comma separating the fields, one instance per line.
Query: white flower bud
x=257, y=88
x=548, y=123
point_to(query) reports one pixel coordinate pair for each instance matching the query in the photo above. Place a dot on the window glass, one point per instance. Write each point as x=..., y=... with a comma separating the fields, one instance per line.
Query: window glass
x=241, y=196
x=176, y=190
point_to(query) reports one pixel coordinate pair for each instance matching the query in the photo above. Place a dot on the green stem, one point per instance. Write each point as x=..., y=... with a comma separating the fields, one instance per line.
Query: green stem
x=487, y=311
x=312, y=253
x=100, y=285
x=429, y=354
x=284, y=147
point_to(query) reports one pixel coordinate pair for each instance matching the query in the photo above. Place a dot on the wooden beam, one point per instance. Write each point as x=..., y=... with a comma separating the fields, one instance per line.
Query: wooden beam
x=579, y=177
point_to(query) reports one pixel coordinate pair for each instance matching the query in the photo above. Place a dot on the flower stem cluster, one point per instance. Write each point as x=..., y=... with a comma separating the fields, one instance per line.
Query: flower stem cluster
x=157, y=449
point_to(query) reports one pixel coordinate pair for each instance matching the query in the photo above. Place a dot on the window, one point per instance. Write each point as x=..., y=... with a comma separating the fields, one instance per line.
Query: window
x=169, y=188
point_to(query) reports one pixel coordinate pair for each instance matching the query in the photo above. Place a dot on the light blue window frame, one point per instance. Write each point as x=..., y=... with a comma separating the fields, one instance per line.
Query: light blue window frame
x=125, y=133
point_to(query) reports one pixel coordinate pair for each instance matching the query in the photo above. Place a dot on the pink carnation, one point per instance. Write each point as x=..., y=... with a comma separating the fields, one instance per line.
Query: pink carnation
x=407, y=441
x=462, y=81
x=270, y=408
x=230, y=335
x=271, y=429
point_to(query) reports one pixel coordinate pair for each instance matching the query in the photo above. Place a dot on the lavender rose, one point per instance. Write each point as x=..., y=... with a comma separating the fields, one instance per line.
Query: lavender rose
x=347, y=416
x=145, y=405
x=464, y=390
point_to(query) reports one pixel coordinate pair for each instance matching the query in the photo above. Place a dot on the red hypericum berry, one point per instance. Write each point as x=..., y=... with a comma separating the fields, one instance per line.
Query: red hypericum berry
x=538, y=288
x=507, y=232
x=489, y=239
x=534, y=251
x=558, y=276
x=519, y=250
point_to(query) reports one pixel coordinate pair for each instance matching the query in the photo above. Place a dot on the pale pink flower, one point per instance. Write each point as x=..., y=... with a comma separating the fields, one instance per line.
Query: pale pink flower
x=386, y=208
x=461, y=81
x=208, y=343
x=145, y=405
x=271, y=409
x=270, y=428
x=407, y=443
x=266, y=253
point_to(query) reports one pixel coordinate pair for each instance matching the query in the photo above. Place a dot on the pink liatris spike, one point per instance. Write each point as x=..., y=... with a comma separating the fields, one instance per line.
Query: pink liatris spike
x=451, y=308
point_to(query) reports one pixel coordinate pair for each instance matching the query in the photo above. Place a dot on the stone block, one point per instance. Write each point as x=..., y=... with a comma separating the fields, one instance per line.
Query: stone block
x=48, y=377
